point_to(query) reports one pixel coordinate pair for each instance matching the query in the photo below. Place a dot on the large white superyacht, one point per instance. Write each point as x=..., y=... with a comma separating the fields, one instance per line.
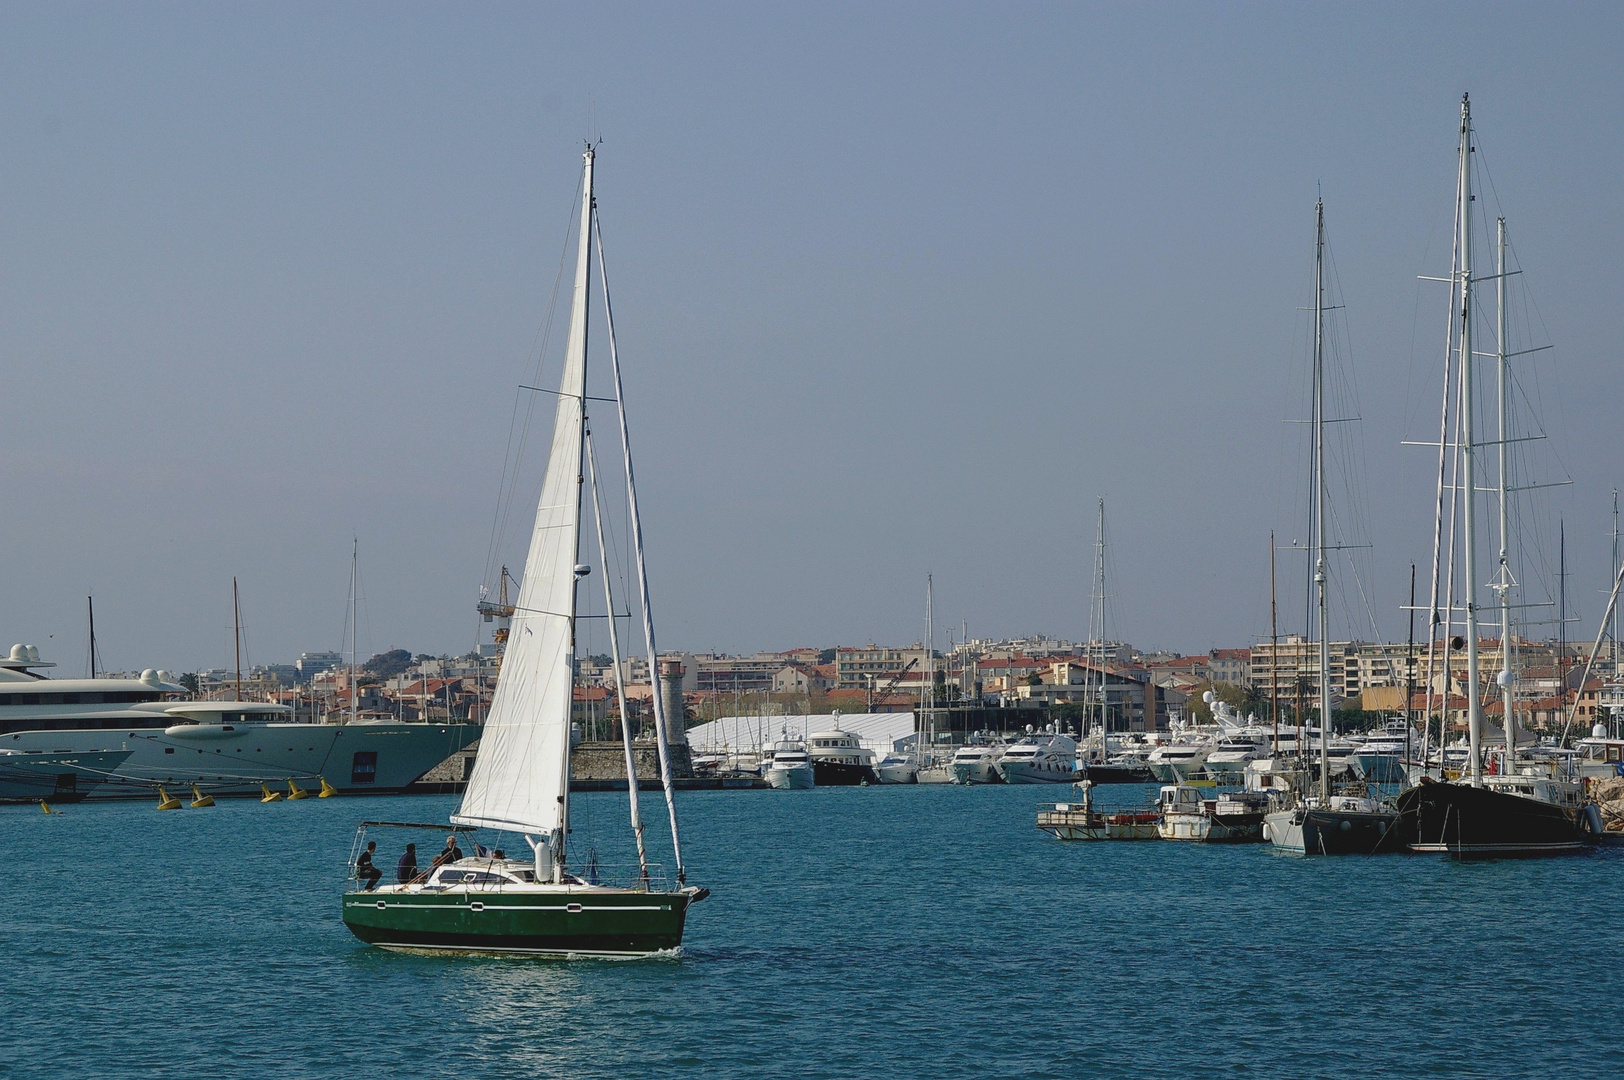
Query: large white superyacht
x=224, y=747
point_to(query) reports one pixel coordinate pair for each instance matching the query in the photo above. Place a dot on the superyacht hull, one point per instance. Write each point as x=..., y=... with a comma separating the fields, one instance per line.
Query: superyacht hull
x=55, y=778
x=229, y=760
x=559, y=922
x=1476, y=823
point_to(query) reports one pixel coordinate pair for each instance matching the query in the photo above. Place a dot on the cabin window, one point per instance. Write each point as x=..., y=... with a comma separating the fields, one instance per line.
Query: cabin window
x=169, y=749
x=364, y=767
x=1613, y=753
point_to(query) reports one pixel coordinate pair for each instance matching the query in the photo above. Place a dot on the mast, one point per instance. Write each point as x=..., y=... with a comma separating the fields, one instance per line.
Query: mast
x=236, y=633
x=1503, y=580
x=1409, y=672
x=928, y=695
x=661, y=721
x=1274, y=654
x=1096, y=626
x=1615, y=575
x=355, y=614
x=1319, y=503
x=90, y=604
x=1468, y=456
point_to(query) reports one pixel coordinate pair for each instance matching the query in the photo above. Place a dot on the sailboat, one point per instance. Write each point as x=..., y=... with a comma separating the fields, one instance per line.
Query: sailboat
x=1327, y=823
x=1523, y=810
x=520, y=783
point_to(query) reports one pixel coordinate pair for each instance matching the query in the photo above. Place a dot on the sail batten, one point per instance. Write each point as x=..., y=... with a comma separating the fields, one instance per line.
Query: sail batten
x=520, y=779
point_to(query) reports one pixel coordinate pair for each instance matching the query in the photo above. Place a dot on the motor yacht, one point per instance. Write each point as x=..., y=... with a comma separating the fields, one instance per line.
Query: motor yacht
x=1176, y=762
x=977, y=763
x=790, y=767
x=839, y=759
x=225, y=747
x=897, y=769
x=1040, y=758
x=1226, y=762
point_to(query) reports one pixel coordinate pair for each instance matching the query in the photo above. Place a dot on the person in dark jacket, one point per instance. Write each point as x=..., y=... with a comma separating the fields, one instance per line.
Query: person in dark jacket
x=406, y=869
x=365, y=871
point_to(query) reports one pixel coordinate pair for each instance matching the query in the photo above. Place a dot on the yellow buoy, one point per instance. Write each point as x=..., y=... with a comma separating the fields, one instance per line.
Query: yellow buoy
x=167, y=801
x=297, y=792
x=326, y=788
x=200, y=799
x=45, y=806
x=270, y=796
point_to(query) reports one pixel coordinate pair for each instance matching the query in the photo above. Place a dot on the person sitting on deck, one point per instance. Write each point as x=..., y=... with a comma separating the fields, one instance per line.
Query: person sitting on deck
x=365, y=871
x=449, y=854
x=406, y=869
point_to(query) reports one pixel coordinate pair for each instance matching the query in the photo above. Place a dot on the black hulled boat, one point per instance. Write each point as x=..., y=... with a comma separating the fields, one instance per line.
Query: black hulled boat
x=1508, y=817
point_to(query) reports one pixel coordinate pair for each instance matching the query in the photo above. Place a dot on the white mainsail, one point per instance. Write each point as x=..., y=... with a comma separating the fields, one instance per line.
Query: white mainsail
x=521, y=776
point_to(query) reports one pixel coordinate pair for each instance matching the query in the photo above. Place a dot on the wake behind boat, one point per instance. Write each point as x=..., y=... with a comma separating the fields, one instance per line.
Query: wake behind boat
x=520, y=783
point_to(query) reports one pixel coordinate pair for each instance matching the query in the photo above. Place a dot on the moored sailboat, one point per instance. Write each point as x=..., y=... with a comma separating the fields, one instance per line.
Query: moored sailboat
x=520, y=782
x=1526, y=810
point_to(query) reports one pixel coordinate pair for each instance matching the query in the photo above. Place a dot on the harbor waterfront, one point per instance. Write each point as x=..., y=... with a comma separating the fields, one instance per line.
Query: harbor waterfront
x=210, y=940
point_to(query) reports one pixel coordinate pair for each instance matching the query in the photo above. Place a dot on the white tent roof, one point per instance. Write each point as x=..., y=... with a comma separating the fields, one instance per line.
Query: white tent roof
x=880, y=732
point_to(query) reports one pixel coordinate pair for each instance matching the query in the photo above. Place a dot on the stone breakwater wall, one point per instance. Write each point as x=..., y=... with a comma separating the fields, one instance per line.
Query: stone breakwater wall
x=588, y=761
x=607, y=761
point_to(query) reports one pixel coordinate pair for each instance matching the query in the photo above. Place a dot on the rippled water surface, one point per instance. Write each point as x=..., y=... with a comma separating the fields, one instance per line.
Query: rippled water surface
x=906, y=931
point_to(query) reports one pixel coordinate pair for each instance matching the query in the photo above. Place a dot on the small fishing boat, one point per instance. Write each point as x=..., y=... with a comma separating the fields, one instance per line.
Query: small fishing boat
x=1084, y=821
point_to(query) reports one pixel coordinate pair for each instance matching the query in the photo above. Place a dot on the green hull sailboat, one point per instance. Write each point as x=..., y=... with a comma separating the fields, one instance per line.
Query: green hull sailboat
x=520, y=784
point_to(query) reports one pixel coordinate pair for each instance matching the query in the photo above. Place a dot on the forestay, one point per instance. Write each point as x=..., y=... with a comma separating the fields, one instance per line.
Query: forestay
x=521, y=776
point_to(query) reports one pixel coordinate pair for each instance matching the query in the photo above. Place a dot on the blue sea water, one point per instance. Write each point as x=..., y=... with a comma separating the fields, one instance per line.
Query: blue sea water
x=921, y=931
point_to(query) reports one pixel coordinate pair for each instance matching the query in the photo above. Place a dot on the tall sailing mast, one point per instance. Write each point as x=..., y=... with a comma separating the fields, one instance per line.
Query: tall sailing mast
x=927, y=696
x=355, y=612
x=1094, y=674
x=1465, y=448
x=1504, y=583
x=1318, y=511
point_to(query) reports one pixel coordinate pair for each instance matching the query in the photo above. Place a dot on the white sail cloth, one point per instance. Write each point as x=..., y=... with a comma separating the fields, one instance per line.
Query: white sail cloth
x=521, y=776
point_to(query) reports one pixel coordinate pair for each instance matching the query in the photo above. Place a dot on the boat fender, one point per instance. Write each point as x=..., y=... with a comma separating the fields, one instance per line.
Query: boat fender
x=699, y=894
x=1590, y=822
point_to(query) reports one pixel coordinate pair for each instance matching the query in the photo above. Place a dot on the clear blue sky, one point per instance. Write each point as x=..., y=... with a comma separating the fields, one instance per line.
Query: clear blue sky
x=900, y=288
